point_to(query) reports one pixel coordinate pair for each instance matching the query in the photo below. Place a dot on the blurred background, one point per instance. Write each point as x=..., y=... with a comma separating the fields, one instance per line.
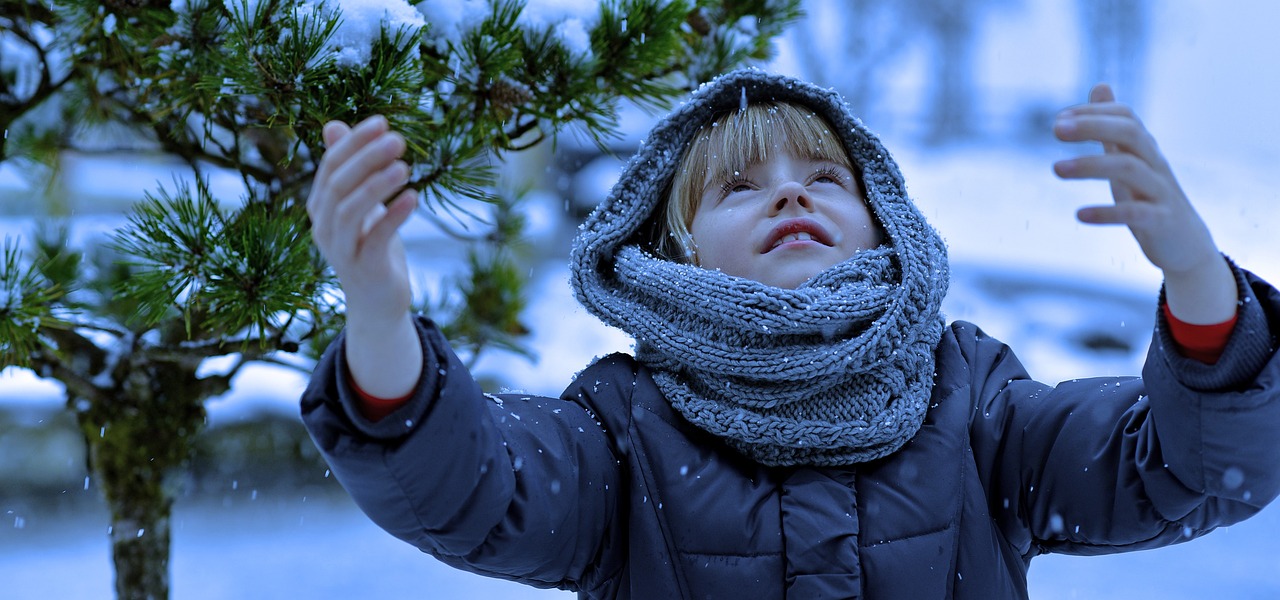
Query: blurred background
x=962, y=91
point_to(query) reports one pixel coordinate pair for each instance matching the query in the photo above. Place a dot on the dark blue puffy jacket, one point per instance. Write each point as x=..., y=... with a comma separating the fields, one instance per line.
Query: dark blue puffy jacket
x=607, y=491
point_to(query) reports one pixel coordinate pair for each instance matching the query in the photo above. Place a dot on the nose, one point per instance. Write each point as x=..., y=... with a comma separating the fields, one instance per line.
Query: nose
x=790, y=194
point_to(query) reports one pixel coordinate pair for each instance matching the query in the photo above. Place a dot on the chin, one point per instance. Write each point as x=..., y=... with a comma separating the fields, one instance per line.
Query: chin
x=795, y=275
x=790, y=282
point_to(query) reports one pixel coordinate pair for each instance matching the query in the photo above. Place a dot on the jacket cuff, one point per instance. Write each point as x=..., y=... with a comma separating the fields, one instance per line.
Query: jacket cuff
x=1246, y=352
x=400, y=421
x=375, y=408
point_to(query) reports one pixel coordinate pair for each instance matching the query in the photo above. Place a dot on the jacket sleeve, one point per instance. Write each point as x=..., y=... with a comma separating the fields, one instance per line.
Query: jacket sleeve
x=1095, y=466
x=515, y=486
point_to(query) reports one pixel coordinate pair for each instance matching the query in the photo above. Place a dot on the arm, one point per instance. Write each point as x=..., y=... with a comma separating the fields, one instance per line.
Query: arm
x=1104, y=465
x=357, y=204
x=513, y=490
x=1199, y=286
x=517, y=487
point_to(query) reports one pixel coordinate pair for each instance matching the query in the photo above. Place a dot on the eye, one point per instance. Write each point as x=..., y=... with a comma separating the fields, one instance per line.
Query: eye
x=827, y=175
x=734, y=185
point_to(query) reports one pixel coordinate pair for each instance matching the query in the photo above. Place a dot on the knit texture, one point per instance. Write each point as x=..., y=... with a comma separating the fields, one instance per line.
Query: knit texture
x=837, y=371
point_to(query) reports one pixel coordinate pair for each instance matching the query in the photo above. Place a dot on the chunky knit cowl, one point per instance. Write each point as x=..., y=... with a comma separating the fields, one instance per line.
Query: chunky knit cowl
x=835, y=372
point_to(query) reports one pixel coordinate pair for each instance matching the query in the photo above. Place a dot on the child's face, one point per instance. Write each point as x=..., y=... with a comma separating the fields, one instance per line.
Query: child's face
x=782, y=221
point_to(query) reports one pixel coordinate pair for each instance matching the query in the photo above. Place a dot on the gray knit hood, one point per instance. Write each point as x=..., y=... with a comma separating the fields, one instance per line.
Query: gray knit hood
x=837, y=371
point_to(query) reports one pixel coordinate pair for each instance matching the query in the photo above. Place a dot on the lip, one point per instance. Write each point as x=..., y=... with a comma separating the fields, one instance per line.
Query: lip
x=792, y=226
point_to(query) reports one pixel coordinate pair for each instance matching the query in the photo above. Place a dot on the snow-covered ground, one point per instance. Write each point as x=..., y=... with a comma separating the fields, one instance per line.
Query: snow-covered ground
x=324, y=548
x=1024, y=270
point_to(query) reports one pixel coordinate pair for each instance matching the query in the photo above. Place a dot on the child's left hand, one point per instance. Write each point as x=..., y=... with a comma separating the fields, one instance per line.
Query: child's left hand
x=1150, y=202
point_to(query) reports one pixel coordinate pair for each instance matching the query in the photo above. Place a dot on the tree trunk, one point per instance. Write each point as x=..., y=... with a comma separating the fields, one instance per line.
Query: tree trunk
x=133, y=480
x=140, y=550
x=138, y=440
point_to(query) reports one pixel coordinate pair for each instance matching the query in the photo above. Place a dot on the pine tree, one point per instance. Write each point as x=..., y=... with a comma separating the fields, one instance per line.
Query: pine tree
x=245, y=85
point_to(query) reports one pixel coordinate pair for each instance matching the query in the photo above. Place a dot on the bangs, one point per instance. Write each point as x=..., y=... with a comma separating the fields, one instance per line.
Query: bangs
x=744, y=138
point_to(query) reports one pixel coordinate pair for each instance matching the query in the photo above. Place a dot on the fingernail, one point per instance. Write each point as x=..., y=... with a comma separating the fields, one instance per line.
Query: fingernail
x=1066, y=125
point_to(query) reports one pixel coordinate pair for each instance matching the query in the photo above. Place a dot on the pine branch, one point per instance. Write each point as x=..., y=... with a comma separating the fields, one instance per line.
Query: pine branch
x=77, y=352
x=218, y=86
x=27, y=300
x=261, y=270
x=169, y=243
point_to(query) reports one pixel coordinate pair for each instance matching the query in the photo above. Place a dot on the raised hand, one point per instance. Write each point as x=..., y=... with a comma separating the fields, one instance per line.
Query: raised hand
x=353, y=223
x=358, y=203
x=1147, y=198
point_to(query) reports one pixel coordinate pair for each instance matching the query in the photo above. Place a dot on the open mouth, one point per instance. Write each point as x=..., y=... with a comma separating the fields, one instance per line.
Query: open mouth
x=802, y=236
x=796, y=230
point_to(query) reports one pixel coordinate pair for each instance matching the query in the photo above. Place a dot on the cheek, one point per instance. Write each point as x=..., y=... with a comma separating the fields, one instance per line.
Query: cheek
x=713, y=234
x=706, y=223
x=868, y=223
x=703, y=239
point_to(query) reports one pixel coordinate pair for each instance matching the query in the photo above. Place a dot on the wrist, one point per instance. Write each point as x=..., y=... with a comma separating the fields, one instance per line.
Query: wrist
x=1204, y=294
x=384, y=355
x=376, y=323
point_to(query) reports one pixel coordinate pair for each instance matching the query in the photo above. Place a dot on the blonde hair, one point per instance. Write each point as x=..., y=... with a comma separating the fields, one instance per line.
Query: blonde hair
x=731, y=143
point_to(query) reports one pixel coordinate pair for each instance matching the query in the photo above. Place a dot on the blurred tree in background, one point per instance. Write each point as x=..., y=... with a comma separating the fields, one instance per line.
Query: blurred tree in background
x=1115, y=45
x=939, y=49
x=244, y=86
x=874, y=38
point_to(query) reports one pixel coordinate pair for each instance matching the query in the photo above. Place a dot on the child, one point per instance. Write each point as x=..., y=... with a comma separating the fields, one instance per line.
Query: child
x=798, y=421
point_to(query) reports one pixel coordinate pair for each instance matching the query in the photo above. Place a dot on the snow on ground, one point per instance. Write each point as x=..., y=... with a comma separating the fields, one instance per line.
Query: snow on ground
x=324, y=548
x=243, y=548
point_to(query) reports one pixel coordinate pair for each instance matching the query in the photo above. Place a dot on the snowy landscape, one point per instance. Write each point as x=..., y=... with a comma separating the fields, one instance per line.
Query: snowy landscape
x=1071, y=300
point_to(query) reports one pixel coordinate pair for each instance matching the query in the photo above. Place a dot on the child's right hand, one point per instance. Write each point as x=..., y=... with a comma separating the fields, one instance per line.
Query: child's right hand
x=355, y=228
x=353, y=224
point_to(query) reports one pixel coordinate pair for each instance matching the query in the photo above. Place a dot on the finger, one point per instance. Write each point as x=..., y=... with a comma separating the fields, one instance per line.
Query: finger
x=1134, y=215
x=376, y=155
x=1126, y=170
x=1116, y=133
x=1101, y=100
x=385, y=227
x=334, y=131
x=335, y=182
x=326, y=190
x=1101, y=93
x=331, y=132
x=352, y=217
x=342, y=149
x=1099, y=108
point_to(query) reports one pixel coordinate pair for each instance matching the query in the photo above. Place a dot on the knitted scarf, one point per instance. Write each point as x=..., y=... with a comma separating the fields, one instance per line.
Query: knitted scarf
x=835, y=372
